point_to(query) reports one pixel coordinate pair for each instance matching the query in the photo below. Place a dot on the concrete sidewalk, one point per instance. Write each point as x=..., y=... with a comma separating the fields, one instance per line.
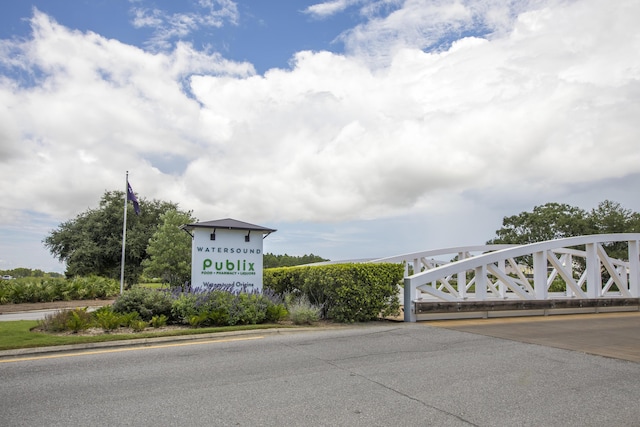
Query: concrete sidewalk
x=615, y=335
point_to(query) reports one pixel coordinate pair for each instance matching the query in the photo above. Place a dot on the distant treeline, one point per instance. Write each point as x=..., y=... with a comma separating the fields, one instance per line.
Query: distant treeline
x=17, y=273
x=272, y=261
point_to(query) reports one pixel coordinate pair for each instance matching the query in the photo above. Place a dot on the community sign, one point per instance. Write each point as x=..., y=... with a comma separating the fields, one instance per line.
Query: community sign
x=227, y=254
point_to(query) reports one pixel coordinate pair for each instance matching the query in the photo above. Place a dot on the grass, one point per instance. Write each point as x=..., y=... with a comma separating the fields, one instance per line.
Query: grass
x=18, y=334
x=154, y=285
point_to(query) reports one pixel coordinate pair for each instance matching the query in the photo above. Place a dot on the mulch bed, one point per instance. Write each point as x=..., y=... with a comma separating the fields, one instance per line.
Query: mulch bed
x=13, y=308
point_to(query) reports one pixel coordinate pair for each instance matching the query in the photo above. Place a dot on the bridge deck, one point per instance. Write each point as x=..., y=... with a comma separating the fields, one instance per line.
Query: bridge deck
x=615, y=335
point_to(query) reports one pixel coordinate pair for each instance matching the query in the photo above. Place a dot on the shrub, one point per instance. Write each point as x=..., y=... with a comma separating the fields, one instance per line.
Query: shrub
x=346, y=292
x=46, y=289
x=241, y=311
x=159, y=321
x=147, y=302
x=78, y=320
x=276, y=312
x=107, y=319
x=183, y=307
x=302, y=312
x=127, y=319
x=198, y=320
x=138, y=325
x=64, y=320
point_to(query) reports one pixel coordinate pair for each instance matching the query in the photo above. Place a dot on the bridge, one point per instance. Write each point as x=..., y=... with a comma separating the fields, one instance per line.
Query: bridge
x=571, y=275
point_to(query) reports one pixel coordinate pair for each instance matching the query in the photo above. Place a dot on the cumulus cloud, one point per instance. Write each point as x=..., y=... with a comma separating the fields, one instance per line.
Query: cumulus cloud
x=547, y=102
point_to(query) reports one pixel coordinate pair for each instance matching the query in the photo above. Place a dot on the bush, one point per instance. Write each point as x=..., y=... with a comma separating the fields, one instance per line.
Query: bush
x=46, y=289
x=64, y=320
x=302, y=312
x=276, y=313
x=222, y=308
x=146, y=302
x=159, y=321
x=107, y=319
x=183, y=307
x=138, y=325
x=346, y=292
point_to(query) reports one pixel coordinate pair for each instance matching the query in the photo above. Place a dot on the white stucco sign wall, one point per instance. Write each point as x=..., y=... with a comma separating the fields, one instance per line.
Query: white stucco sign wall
x=228, y=262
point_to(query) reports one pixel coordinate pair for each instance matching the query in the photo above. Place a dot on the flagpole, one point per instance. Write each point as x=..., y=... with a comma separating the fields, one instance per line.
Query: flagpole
x=124, y=233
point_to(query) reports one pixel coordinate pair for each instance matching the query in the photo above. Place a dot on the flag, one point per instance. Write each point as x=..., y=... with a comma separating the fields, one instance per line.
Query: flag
x=132, y=197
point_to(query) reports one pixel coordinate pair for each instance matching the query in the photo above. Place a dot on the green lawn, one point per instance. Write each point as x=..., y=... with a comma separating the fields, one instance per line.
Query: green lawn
x=18, y=334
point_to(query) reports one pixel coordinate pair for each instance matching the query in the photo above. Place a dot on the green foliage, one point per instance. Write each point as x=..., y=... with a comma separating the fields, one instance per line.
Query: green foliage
x=273, y=261
x=276, y=313
x=107, y=319
x=91, y=243
x=169, y=250
x=55, y=322
x=46, y=289
x=556, y=221
x=78, y=320
x=199, y=319
x=183, y=307
x=346, y=292
x=302, y=312
x=138, y=325
x=126, y=319
x=221, y=308
x=159, y=321
x=146, y=302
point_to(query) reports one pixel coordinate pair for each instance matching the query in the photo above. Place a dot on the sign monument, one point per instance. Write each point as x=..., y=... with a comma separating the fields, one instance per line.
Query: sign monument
x=227, y=254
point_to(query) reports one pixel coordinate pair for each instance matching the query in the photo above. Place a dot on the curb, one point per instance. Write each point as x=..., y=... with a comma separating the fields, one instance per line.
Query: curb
x=136, y=342
x=141, y=342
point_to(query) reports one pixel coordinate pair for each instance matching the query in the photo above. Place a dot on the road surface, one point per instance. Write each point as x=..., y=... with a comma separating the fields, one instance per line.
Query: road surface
x=381, y=374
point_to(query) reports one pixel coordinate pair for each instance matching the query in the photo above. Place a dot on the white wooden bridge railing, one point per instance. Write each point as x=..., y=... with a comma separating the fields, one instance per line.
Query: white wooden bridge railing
x=498, y=275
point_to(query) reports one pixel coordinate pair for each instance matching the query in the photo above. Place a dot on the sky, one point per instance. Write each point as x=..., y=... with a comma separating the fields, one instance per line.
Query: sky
x=356, y=128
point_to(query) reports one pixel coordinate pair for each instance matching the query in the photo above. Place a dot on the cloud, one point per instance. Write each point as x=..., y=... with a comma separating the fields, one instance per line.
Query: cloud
x=544, y=104
x=391, y=26
x=168, y=27
x=329, y=8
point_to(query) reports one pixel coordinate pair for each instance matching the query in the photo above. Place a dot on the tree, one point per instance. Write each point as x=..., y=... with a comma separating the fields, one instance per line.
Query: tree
x=92, y=242
x=271, y=261
x=546, y=222
x=611, y=217
x=556, y=221
x=169, y=250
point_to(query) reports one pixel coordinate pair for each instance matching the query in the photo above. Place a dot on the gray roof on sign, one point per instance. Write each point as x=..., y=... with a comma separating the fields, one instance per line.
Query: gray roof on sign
x=228, y=224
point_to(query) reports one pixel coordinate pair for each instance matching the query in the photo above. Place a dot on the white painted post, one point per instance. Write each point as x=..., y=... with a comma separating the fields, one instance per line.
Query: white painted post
x=568, y=263
x=502, y=288
x=540, y=274
x=634, y=268
x=594, y=279
x=409, y=309
x=481, y=283
x=462, y=278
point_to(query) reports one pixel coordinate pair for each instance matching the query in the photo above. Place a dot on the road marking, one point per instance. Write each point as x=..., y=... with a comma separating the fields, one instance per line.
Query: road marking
x=117, y=350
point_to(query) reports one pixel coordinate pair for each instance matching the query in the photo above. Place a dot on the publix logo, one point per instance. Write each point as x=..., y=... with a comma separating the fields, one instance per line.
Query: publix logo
x=228, y=267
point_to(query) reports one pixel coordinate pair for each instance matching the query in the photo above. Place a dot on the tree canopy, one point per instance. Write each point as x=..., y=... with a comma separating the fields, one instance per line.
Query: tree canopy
x=271, y=261
x=556, y=221
x=169, y=250
x=91, y=243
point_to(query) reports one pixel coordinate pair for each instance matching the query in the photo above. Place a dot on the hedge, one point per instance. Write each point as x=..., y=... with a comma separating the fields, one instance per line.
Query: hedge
x=46, y=289
x=346, y=292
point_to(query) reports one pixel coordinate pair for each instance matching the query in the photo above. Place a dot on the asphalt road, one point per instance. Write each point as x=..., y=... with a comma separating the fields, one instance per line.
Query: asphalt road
x=374, y=375
x=26, y=315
